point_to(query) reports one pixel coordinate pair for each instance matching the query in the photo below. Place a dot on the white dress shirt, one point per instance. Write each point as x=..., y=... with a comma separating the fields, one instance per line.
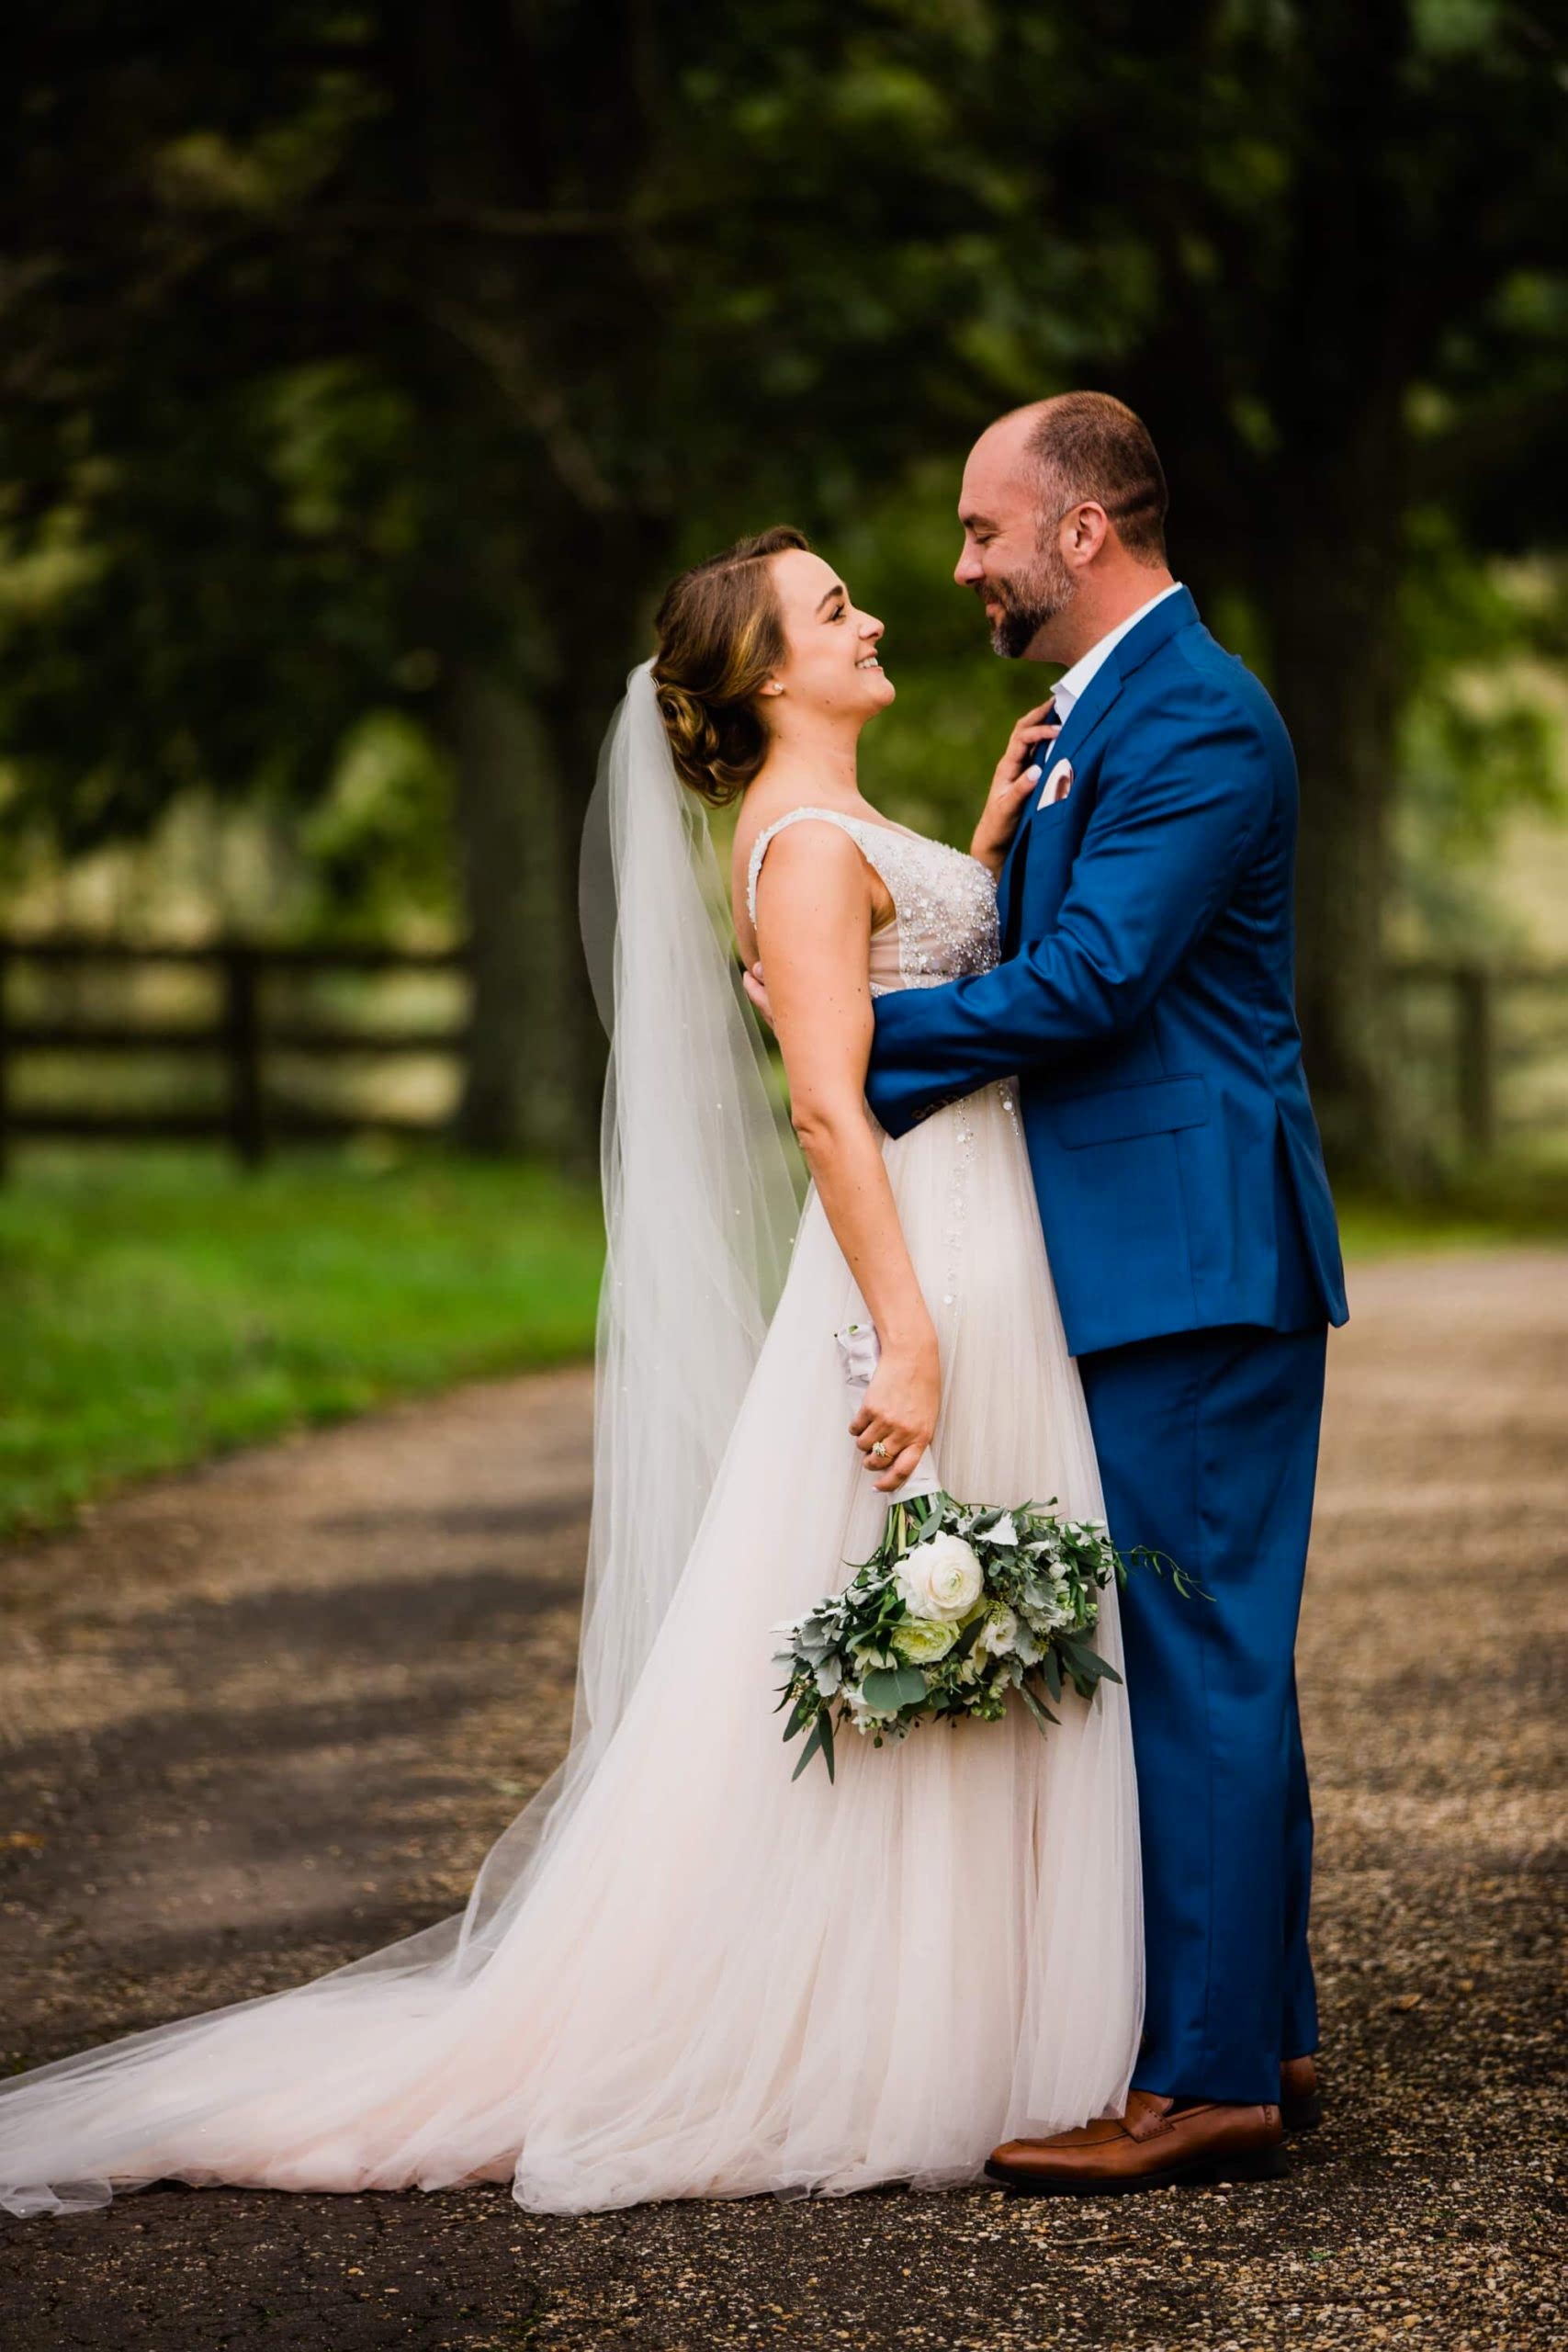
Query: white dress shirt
x=1071, y=684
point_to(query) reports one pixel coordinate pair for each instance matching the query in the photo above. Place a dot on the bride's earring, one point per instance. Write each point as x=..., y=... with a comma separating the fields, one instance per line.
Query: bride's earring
x=772, y=687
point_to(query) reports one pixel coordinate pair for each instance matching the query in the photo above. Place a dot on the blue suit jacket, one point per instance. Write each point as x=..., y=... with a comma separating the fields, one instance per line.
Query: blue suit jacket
x=1145, y=1000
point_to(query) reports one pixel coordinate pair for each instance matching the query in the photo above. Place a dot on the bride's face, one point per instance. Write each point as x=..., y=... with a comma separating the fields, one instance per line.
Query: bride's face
x=830, y=662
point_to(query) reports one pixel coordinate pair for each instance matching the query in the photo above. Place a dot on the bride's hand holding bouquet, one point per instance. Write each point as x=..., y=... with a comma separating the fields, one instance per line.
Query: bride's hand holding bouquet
x=959, y=1607
x=898, y=1418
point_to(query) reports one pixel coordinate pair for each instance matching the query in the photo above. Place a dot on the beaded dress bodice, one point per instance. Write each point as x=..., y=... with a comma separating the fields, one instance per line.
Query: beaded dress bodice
x=945, y=902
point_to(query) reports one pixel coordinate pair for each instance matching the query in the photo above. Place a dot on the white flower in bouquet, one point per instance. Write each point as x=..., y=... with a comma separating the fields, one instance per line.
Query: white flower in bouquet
x=941, y=1577
x=999, y=1632
x=960, y=1607
x=921, y=1641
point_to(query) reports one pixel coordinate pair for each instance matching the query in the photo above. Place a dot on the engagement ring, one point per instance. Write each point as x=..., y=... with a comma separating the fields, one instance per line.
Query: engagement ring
x=880, y=1450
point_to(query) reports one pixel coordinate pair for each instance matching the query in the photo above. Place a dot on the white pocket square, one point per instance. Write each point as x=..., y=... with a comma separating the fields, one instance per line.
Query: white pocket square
x=1057, y=785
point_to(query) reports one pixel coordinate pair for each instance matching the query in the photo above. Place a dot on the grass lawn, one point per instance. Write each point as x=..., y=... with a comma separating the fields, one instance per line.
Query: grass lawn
x=157, y=1306
x=1518, y=1200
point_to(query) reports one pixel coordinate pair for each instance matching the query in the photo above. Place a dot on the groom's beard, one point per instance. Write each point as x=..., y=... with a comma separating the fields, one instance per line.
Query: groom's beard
x=1029, y=604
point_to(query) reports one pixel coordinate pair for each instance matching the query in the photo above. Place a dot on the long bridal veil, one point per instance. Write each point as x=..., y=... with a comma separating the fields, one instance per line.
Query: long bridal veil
x=700, y=1208
x=700, y=1205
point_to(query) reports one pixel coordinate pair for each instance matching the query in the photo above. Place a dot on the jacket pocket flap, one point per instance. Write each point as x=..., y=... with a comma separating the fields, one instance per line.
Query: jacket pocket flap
x=1127, y=1111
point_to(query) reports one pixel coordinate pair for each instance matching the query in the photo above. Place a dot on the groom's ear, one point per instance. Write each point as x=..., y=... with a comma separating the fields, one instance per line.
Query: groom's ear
x=1083, y=530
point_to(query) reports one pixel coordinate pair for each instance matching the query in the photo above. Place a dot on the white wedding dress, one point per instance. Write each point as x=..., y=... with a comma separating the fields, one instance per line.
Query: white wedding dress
x=713, y=1981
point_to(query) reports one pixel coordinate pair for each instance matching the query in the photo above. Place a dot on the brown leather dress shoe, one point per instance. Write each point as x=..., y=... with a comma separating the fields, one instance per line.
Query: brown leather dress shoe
x=1155, y=2144
x=1300, y=2108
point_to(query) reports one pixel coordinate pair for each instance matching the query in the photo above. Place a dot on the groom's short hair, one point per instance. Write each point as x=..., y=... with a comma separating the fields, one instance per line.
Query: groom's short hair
x=1088, y=444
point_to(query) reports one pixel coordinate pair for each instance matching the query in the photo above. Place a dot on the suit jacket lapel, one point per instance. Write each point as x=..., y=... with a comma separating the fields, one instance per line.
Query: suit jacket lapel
x=1087, y=711
x=1011, y=868
x=1086, y=715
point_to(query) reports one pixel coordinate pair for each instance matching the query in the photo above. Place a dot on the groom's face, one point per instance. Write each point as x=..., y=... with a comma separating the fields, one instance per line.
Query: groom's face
x=1010, y=557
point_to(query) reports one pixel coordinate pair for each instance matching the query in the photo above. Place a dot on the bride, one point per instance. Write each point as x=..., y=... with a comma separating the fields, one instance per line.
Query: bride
x=679, y=1974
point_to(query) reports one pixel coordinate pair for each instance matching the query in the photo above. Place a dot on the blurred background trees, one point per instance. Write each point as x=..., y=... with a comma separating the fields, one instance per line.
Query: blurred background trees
x=368, y=370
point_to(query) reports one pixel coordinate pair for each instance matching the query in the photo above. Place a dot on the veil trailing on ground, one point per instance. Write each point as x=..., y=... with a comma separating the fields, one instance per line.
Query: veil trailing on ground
x=700, y=1209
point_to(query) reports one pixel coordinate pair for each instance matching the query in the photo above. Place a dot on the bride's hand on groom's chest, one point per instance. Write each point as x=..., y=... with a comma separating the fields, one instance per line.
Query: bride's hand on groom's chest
x=1016, y=780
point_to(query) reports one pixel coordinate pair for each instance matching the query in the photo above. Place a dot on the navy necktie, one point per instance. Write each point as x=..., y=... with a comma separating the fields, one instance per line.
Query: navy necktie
x=1020, y=860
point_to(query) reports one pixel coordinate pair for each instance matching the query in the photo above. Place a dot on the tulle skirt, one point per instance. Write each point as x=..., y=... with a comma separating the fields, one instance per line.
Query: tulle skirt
x=707, y=1981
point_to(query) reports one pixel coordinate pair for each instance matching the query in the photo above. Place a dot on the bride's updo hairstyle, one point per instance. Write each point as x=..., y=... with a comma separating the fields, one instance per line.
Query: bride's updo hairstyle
x=720, y=638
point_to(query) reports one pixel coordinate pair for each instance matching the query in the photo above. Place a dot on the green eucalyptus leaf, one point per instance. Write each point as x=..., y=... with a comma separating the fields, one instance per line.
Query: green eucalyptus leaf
x=887, y=1691
x=804, y=1707
x=812, y=1745
x=1037, y=1707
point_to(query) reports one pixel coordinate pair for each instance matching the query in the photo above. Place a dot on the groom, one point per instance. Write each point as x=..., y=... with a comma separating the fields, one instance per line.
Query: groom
x=1144, y=1002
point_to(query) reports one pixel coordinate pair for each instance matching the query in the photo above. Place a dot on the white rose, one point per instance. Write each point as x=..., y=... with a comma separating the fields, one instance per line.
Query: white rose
x=999, y=1633
x=941, y=1577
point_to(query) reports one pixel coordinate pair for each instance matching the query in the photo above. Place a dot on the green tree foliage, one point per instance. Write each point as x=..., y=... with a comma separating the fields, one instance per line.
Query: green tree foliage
x=385, y=361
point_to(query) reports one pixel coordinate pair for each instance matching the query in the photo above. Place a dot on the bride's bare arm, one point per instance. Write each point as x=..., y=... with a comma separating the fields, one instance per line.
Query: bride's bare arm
x=814, y=915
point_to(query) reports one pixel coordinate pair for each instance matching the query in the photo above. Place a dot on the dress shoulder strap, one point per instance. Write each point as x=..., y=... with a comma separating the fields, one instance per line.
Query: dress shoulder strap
x=855, y=827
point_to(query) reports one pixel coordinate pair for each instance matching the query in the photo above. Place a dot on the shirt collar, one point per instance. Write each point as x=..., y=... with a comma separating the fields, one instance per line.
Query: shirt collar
x=1070, y=685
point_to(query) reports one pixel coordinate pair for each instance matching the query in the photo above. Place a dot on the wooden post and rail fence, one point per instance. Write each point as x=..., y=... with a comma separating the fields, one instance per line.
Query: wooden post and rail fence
x=253, y=1117
x=240, y=1040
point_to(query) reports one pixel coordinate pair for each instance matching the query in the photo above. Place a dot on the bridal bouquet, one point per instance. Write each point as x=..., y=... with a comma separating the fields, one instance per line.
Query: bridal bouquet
x=959, y=1606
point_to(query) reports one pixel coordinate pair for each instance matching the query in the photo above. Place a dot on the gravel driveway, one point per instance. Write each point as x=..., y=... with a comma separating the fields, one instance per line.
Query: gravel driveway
x=259, y=1719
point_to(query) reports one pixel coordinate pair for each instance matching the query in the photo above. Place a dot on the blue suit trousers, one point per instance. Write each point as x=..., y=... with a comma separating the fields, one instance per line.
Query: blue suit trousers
x=1208, y=1451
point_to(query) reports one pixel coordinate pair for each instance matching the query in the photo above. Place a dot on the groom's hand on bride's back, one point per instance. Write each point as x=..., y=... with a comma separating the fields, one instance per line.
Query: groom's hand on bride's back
x=758, y=993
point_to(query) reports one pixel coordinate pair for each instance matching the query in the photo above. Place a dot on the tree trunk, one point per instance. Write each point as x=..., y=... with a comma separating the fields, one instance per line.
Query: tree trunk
x=1331, y=598
x=527, y=756
x=537, y=554
x=1327, y=543
x=534, y=1063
